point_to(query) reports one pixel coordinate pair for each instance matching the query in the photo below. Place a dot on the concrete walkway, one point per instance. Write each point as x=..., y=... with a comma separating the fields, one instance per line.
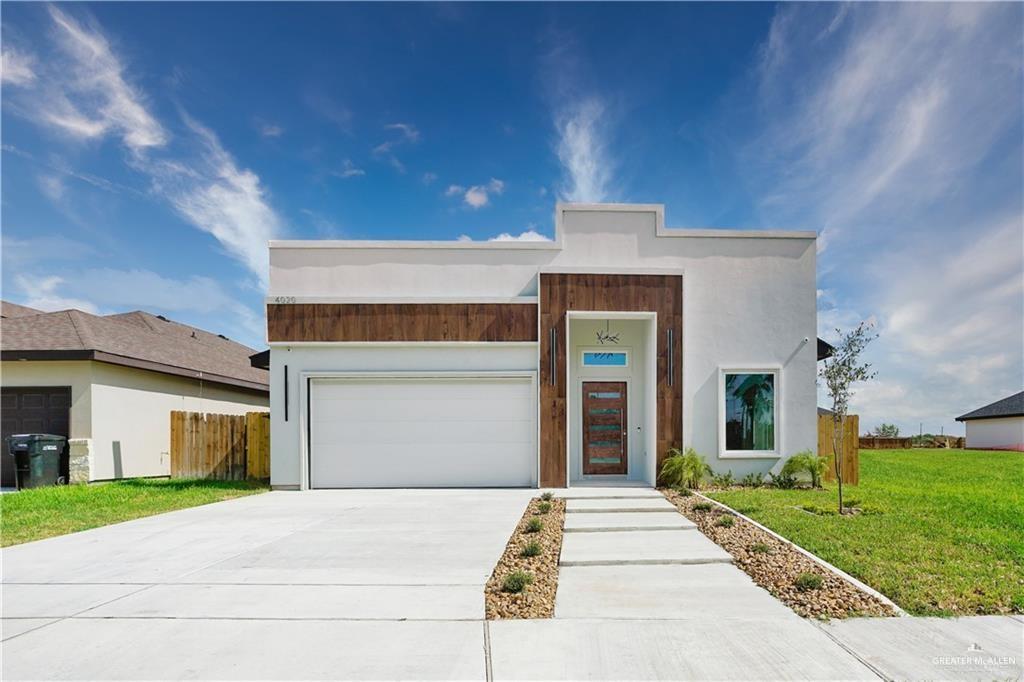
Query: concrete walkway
x=643, y=594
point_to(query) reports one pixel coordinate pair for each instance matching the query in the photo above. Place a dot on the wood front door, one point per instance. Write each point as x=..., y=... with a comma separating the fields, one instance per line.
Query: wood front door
x=604, y=427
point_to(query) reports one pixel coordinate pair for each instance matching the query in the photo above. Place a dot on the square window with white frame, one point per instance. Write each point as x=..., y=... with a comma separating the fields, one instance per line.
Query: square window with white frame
x=749, y=412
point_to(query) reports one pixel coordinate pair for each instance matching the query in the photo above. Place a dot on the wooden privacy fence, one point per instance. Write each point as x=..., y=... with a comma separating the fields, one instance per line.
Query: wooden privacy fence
x=879, y=443
x=849, y=447
x=225, y=447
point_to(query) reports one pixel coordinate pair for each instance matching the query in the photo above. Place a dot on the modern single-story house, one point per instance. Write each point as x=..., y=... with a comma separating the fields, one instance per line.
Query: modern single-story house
x=997, y=426
x=110, y=382
x=540, y=363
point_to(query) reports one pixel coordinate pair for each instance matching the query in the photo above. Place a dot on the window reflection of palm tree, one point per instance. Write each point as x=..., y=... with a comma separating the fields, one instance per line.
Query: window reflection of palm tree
x=756, y=393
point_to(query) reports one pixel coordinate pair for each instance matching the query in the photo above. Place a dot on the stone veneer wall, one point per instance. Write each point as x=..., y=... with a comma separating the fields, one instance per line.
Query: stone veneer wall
x=79, y=460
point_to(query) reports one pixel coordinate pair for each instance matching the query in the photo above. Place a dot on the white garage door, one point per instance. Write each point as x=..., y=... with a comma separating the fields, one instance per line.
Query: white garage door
x=423, y=432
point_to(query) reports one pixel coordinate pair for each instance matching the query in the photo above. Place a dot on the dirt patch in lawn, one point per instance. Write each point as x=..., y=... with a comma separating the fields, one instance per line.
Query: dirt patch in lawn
x=779, y=567
x=537, y=599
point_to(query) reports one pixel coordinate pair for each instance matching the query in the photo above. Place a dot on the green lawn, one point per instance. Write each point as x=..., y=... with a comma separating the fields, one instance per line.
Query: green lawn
x=44, y=512
x=943, y=533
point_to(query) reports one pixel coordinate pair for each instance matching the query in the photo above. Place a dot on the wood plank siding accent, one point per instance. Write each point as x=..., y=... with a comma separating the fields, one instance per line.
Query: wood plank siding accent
x=561, y=292
x=402, y=322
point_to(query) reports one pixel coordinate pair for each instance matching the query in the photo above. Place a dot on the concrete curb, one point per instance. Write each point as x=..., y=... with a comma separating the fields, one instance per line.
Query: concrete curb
x=813, y=557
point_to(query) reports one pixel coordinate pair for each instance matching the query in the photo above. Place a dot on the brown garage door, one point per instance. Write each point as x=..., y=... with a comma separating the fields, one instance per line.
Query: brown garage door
x=44, y=409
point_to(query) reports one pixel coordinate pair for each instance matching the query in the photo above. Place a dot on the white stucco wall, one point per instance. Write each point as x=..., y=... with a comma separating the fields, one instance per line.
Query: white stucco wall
x=748, y=297
x=1004, y=433
x=287, y=437
x=126, y=412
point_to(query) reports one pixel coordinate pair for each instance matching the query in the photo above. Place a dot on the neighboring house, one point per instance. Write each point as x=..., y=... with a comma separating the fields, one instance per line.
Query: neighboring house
x=998, y=426
x=514, y=363
x=110, y=382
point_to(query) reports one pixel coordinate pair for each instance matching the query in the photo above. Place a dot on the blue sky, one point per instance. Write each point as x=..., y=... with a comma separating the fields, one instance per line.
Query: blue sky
x=150, y=150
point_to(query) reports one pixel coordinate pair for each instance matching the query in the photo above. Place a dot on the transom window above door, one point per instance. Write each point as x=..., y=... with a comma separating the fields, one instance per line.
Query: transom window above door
x=605, y=358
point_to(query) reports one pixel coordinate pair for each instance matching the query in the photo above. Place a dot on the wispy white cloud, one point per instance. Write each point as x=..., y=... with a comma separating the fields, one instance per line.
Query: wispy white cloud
x=106, y=102
x=883, y=124
x=407, y=134
x=477, y=196
x=16, y=68
x=102, y=291
x=583, y=151
x=41, y=293
x=52, y=186
x=270, y=129
x=217, y=196
x=408, y=130
x=349, y=170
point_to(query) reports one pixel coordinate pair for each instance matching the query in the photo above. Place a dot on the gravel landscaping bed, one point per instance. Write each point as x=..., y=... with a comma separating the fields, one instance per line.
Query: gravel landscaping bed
x=537, y=599
x=778, y=567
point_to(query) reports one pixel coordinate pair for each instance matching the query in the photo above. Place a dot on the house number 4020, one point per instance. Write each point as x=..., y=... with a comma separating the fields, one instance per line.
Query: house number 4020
x=284, y=299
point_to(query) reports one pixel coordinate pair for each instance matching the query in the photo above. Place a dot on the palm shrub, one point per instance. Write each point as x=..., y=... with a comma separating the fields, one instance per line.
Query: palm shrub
x=683, y=469
x=806, y=462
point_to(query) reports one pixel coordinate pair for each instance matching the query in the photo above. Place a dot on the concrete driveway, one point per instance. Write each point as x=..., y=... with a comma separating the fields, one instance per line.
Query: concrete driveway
x=329, y=584
x=388, y=584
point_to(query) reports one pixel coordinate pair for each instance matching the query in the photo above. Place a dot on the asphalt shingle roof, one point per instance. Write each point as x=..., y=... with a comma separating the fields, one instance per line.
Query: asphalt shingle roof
x=1012, y=406
x=136, y=335
x=8, y=310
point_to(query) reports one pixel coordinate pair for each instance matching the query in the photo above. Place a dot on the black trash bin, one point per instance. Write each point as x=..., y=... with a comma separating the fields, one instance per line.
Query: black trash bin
x=37, y=458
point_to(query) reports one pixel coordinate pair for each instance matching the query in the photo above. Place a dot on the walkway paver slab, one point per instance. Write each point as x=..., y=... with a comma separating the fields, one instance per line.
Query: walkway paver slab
x=131, y=649
x=693, y=649
x=603, y=505
x=972, y=648
x=619, y=521
x=711, y=591
x=612, y=492
x=640, y=547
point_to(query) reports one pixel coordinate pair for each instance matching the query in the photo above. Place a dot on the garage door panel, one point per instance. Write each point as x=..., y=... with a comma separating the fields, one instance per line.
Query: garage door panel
x=437, y=410
x=390, y=466
x=424, y=431
x=418, y=432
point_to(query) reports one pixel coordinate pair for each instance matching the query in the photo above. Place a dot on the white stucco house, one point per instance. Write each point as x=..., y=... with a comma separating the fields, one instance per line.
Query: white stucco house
x=546, y=363
x=109, y=383
x=996, y=426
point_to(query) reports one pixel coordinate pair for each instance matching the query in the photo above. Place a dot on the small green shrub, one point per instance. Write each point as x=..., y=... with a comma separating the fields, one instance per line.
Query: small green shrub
x=516, y=581
x=852, y=503
x=805, y=462
x=683, y=469
x=752, y=480
x=725, y=480
x=782, y=481
x=725, y=522
x=531, y=548
x=547, y=496
x=760, y=548
x=544, y=507
x=684, y=492
x=702, y=506
x=806, y=582
x=534, y=525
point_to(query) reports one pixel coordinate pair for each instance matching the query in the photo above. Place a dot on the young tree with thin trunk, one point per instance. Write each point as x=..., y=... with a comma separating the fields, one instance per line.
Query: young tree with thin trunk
x=839, y=372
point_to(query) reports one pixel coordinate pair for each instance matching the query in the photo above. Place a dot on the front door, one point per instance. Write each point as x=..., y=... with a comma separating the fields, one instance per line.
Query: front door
x=604, y=427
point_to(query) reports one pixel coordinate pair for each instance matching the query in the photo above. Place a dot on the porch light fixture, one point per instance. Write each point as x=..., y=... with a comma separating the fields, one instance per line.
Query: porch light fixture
x=606, y=336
